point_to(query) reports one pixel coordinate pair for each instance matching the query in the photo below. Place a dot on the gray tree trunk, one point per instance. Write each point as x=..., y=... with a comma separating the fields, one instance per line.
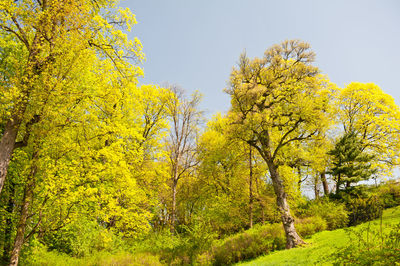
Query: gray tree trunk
x=27, y=199
x=251, y=200
x=292, y=238
x=324, y=183
x=8, y=141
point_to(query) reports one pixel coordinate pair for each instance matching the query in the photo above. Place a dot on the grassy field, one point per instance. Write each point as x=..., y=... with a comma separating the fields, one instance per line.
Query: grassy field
x=321, y=246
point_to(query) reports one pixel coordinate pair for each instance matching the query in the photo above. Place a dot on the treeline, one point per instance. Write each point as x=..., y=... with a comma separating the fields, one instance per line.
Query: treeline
x=91, y=161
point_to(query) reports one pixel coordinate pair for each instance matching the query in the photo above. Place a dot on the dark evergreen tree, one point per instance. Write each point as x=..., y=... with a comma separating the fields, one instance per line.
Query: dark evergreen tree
x=350, y=163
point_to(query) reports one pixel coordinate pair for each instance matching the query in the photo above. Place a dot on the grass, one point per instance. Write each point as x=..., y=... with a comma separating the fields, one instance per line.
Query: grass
x=51, y=258
x=321, y=246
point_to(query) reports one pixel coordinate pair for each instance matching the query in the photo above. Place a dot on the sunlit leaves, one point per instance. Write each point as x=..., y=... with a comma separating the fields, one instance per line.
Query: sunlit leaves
x=375, y=118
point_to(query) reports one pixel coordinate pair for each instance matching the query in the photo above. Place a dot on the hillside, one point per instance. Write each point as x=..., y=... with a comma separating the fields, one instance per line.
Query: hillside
x=321, y=246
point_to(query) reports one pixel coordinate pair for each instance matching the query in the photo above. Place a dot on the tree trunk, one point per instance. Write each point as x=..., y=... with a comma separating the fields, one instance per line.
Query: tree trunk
x=292, y=238
x=316, y=189
x=324, y=183
x=27, y=199
x=300, y=180
x=250, y=189
x=173, y=209
x=8, y=141
x=338, y=184
x=9, y=225
x=262, y=214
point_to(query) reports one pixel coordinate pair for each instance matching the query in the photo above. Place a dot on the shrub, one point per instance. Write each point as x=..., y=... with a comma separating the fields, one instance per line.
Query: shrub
x=310, y=225
x=180, y=248
x=371, y=247
x=82, y=238
x=247, y=245
x=334, y=213
x=363, y=209
x=389, y=194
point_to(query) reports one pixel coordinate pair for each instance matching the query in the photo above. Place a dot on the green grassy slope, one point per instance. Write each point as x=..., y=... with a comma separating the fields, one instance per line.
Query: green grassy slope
x=321, y=245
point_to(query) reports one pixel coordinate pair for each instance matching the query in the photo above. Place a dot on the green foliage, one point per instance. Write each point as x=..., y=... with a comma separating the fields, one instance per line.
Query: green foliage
x=366, y=110
x=363, y=209
x=92, y=147
x=322, y=246
x=261, y=239
x=249, y=244
x=42, y=257
x=81, y=239
x=310, y=225
x=179, y=248
x=389, y=194
x=371, y=247
x=350, y=163
x=333, y=212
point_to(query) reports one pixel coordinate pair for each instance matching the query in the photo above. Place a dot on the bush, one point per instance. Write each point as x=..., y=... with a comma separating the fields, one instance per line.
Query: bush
x=389, y=194
x=247, y=245
x=363, y=209
x=371, y=247
x=334, y=213
x=82, y=238
x=310, y=225
x=179, y=248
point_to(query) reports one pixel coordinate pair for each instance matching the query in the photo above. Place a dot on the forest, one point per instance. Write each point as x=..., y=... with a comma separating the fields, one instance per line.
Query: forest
x=99, y=169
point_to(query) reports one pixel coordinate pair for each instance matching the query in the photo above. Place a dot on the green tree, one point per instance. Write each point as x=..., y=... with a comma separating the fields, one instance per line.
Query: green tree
x=278, y=101
x=372, y=115
x=350, y=164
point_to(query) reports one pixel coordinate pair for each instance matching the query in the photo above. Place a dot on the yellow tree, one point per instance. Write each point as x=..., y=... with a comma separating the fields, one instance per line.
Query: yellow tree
x=229, y=178
x=278, y=101
x=71, y=78
x=375, y=118
x=84, y=156
x=52, y=34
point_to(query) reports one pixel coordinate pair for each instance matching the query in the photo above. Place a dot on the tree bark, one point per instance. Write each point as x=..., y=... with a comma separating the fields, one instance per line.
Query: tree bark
x=292, y=238
x=338, y=185
x=324, y=183
x=9, y=224
x=8, y=141
x=173, y=209
x=9, y=137
x=262, y=214
x=316, y=190
x=27, y=199
x=250, y=189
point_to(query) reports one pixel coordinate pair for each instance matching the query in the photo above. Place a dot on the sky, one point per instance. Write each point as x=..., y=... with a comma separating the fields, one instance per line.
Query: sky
x=195, y=44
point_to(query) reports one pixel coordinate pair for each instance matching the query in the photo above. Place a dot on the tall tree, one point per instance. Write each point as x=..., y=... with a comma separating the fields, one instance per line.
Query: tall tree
x=181, y=142
x=69, y=103
x=229, y=182
x=374, y=118
x=52, y=34
x=277, y=101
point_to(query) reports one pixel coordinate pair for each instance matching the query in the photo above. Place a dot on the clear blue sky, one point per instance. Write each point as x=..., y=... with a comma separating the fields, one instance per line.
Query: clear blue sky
x=195, y=44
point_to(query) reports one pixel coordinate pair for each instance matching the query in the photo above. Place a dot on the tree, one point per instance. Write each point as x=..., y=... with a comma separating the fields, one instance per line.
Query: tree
x=229, y=185
x=350, y=163
x=52, y=34
x=373, y=116
x=181, y=142
x=278, y=101
x=66, y=106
